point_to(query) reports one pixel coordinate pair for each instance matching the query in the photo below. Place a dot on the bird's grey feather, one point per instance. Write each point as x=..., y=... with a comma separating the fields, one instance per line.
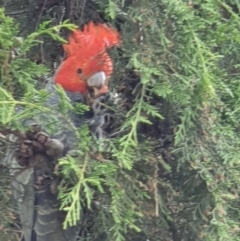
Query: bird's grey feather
x=42, y=223
x=22, y=189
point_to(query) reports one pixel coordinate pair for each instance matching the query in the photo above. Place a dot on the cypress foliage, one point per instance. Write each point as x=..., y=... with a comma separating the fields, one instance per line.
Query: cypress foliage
x=173, y=169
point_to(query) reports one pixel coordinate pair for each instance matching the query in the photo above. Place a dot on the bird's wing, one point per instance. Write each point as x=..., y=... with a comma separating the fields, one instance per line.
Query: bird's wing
x=22, y=189
x=38, y=207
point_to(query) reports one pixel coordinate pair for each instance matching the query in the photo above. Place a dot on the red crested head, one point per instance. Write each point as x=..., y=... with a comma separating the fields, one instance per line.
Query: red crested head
x=86, y=55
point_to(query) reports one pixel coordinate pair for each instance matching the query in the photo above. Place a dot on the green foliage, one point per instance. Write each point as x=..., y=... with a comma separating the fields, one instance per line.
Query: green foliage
x=203, y=94
x=20, y=102
x=84, y=176
x=174, y=159
x=188, y=67
x=19, y=71
x=18, y=74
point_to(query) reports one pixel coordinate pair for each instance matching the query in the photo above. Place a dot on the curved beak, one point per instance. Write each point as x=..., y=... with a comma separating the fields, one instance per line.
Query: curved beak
x=98, y=82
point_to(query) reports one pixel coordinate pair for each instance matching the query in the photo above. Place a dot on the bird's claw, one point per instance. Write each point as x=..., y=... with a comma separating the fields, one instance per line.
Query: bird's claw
x=101, y=119
x=103, y=97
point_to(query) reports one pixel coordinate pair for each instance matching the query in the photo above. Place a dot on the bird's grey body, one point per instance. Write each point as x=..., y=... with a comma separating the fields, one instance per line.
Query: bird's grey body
x=22, y=189
x=38, y=207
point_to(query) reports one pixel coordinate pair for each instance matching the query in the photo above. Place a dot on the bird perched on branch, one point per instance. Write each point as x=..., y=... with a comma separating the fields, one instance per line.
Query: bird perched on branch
x=87, y=64
x=32, y=160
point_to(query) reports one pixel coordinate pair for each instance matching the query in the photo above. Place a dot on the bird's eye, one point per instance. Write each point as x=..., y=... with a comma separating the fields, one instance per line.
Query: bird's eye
x=79, y=71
